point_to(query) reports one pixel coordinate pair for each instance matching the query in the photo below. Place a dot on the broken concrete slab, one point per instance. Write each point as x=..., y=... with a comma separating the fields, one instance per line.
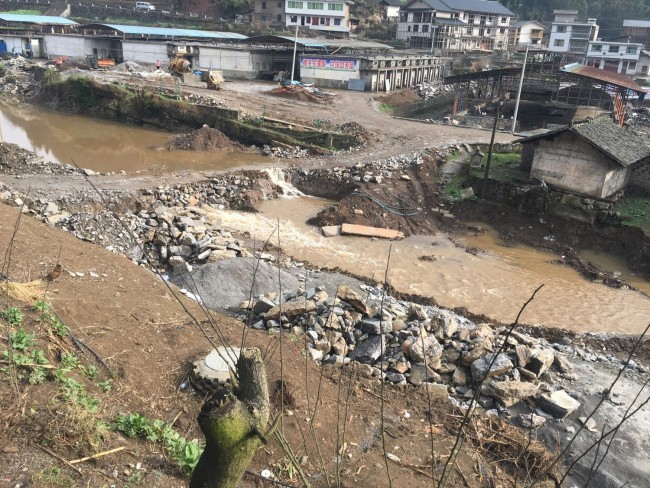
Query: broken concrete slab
x=366, y=231
x=502, y=364
x=331, y=230
x=510, y=392
x=291, y=309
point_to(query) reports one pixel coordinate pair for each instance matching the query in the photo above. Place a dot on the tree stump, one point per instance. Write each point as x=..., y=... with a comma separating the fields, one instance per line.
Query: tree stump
x=234, y=425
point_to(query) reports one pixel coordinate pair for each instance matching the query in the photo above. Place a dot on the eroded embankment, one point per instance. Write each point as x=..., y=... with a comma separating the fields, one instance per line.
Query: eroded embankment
x=83, y=95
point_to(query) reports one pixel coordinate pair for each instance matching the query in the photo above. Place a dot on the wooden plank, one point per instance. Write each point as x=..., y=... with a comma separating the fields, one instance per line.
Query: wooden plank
x=366, y=231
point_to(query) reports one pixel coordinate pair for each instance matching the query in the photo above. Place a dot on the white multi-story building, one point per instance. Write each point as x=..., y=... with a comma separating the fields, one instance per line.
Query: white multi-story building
x=527, y=33
x=619, y=57
x=571, y=36
x=455, y=25
x=321, y=15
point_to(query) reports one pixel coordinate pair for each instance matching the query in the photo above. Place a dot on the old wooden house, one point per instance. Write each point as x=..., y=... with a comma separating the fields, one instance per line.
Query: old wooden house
x=596, y=158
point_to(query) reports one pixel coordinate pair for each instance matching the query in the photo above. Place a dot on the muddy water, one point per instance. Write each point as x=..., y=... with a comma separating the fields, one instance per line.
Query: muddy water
x=104, y=145
x=494, y=283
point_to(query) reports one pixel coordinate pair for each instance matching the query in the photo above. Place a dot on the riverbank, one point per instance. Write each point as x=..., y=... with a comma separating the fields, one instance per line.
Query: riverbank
x=196, y=221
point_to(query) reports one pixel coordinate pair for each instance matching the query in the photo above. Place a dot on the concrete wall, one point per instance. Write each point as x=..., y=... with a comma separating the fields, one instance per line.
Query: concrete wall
x=73, y=46
x=235, y=63
x=14, y=43
x=573, y=165
x=640, y=176
x=145, y=52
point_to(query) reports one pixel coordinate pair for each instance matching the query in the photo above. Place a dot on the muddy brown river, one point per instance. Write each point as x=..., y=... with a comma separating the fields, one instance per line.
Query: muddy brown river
x=105, y=146
x=495, y=282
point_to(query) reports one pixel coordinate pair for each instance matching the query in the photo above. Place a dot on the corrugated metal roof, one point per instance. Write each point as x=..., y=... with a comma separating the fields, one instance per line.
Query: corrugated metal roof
x=636, y=23
x=140, y=30
x=522, y=23
x=36, y=19
x=622, y=81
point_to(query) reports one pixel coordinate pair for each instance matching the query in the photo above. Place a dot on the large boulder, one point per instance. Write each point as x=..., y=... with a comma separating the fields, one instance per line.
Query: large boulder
x=371, y=349
x=510, y=392
x=426, y=349
x=352, y=298
x=502, y=364
x=290, y=309
x=558, y=403
x=541, y=361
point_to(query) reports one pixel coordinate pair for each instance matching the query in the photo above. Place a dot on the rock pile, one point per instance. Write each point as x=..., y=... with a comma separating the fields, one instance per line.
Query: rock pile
x=15, y=77
x=406, y=343
x=285, y=152
x=432, y=89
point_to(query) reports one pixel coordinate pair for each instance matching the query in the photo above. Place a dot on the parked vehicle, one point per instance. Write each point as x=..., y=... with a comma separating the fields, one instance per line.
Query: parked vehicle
x=145, y=6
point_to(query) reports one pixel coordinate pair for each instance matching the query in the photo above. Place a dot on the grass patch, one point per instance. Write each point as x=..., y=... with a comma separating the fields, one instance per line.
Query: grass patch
x=385, y=108
x=503, y=159
x=453, y=188
x=184, y=453
x=635, y=210
x=24, y=12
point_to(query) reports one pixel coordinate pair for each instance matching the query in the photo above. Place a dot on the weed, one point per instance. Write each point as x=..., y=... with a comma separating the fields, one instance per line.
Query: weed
x=137, y=478
x=13, y=315
x=453, y=188
x=53, y=477
x=635, y=210
x=90, y=371
x=3, y=70
x=453, y=155
x=51, y=76
x=385, y=108
x=184, y=453
x=503, y=159
x=105, y=386
x=9, y=79
x=141, y=102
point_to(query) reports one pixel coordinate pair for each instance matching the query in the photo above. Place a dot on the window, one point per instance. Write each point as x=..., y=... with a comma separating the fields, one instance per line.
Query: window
x=613, y=49
x=631, y=66
x=502, y=31
x=295, y=4
x=504, y=20
x=416, y=28
x=263, y=18
x=561, y=29
x=631, y=50
x=425, y=28
x=322, y=20
x=409, y=28
x=489, y=19
x=335, y=6
x=559, y=43
x=337, y=21
x=470, y=19
x=644, y=70
x=597, y=47
x=469, y=30
x=279, y=4
x=264, y=5
x=279, y=18
x=294, y=19
x=488, y=32
x=315, y=5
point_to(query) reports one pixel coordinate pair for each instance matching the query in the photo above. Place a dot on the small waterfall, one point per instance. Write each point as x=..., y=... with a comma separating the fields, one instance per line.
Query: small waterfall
x=277, y=177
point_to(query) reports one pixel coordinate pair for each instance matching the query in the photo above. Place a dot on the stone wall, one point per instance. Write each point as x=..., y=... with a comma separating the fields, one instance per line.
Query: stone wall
x=572, y=164
x=640, y=176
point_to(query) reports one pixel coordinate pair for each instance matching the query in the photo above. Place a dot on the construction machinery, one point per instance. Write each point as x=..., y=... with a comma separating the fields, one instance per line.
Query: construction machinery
x=179, y=66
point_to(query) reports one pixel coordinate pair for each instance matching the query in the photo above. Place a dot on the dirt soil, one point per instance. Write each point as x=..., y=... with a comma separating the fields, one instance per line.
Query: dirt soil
x=399, y=98
x=130, y=319
x=203, y=139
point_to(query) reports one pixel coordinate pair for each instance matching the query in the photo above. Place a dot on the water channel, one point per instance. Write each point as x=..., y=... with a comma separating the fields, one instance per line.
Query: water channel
x=106, y=146
x=495, y=282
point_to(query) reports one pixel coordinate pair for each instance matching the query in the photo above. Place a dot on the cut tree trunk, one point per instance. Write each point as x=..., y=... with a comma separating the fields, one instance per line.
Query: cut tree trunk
x=234, y=426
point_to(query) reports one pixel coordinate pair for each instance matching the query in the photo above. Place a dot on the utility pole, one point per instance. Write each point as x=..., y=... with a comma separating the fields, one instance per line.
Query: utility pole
x=295, y=47
x=489, y=160
x=521, y=84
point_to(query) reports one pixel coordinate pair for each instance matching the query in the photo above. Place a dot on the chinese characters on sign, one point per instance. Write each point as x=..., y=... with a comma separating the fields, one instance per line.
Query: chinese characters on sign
x=329, y=63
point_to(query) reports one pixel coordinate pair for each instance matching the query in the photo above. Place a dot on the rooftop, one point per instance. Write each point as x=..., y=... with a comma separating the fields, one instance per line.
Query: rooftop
x=145, y=31
x=618, y=80
x=36, y=19
x=317, y=43
x=623, y=145
x=522, y=23
x=482, y=6
x=637, y=23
